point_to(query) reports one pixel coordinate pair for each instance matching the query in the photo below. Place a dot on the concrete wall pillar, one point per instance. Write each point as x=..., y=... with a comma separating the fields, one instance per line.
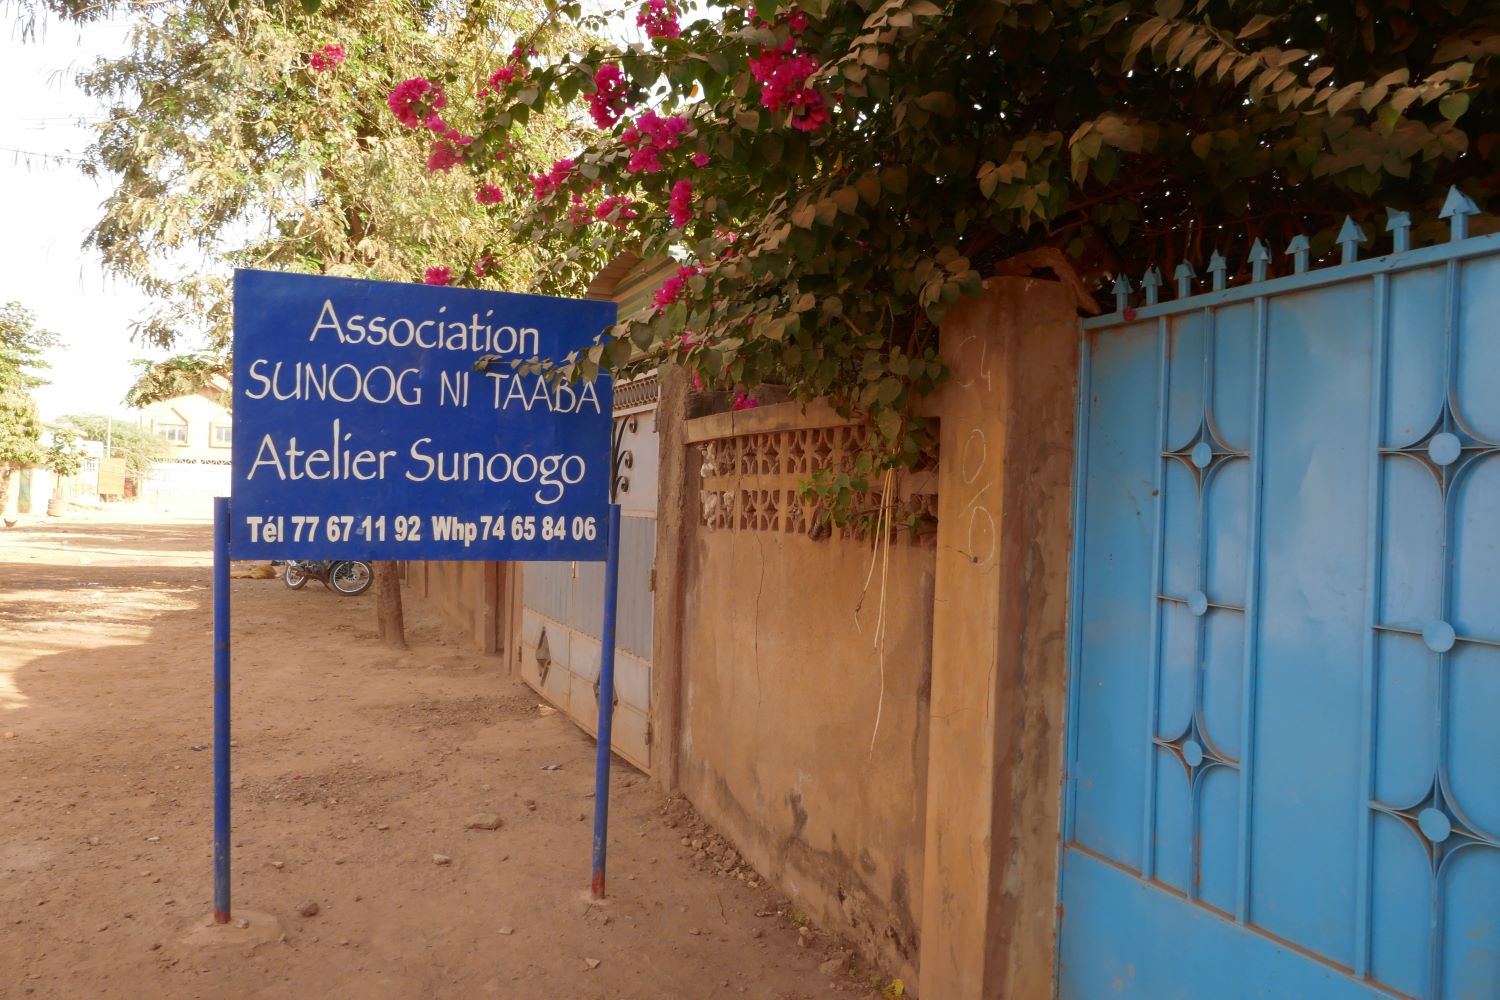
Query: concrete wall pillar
x=676, y=516
x=999, y=662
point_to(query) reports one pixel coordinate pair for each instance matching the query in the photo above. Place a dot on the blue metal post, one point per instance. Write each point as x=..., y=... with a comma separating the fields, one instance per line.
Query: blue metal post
x=606, y=701
x=221, y=710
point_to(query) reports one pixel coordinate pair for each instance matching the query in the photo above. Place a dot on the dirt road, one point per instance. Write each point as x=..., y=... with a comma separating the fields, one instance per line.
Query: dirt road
x=354, y=767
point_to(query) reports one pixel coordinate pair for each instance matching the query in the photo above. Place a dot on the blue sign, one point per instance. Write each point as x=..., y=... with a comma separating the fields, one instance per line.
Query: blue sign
x=362, y=430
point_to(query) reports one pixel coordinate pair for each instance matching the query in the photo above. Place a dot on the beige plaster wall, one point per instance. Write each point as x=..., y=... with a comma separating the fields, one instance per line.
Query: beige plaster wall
x=465, y=592
x=780, y=690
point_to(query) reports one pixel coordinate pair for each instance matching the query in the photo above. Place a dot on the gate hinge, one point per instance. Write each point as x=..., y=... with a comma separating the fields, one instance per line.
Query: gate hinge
x=652, y=587
x=648, y=732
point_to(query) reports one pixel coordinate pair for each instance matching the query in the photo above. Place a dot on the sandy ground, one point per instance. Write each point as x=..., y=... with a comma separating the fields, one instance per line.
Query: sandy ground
x=354, y=767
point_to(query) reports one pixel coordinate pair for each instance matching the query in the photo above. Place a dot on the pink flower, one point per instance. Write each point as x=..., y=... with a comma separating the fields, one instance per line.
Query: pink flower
x=489, y=194
x=700, y=159
x=797, y=22
x=513, y=71
x=327, y=58
x=619, y=206
x=680, y=205
x=544, y=186
x=659, y=18
x=644, y=160
x=482, y=265
x=438, y=276
x=745, y=401
x=649, y=137
x=414, y=101
x=671, y=289
x=782, y=76
x=810, y=113
x=607, y=102
x=447, y=151
x=578, y=212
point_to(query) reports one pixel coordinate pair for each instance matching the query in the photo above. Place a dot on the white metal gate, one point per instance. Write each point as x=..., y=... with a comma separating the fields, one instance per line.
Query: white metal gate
x=562, y=603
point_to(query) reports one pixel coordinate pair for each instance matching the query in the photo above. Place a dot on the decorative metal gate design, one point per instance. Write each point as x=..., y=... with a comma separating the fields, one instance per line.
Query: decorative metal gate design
x=1284, y=739
x=562, y=603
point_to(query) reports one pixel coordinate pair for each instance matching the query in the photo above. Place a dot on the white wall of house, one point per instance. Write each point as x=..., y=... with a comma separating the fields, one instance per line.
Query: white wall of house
x=197, y=431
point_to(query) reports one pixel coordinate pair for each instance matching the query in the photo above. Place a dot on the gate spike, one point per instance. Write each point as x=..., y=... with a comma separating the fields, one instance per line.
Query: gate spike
x=1398, y=224
x=1301, y=251
x=1151, y=282
x=1349, y=239
x=1122, y=293
x=1457, y=210
x=1184, y=275
x=1218, y=269
x=1260, y=260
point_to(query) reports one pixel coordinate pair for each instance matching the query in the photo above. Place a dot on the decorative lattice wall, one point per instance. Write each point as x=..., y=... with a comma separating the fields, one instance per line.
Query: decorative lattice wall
x=751, y=481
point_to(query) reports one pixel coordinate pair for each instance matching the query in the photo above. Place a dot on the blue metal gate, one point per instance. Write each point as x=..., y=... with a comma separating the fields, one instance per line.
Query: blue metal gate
x=1284, y=739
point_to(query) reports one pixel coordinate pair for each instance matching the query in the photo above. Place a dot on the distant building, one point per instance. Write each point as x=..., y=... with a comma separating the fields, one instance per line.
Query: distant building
x=32, y=488
x=196, y=428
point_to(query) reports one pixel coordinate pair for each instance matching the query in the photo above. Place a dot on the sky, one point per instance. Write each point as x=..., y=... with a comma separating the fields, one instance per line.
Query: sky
x=46, y=210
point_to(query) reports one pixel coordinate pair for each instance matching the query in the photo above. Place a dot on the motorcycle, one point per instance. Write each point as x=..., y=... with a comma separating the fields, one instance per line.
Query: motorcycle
x=349, y=577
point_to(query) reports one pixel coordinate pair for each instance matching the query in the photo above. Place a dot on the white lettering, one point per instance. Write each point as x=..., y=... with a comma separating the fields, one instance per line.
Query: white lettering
x=327, y=318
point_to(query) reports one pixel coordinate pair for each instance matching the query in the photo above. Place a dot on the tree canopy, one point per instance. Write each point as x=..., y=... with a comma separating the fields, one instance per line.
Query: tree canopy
x=63, y=455
x=138, y=447
x=837, y=175
x=22, y=346
x=179, y=375
x=256, y=134
x=833, y=176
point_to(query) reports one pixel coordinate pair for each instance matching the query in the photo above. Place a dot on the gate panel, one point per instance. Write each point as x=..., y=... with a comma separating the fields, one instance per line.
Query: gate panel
x=1316, y=458
x=1284, y=775
x=562, y=604
x=1111, y=672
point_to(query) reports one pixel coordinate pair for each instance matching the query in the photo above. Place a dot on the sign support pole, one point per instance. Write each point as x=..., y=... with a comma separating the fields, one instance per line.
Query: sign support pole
x=606, y=702
x=221, y=710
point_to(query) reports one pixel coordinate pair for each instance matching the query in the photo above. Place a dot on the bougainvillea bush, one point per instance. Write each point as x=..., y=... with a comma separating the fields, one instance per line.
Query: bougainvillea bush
x=834, y=177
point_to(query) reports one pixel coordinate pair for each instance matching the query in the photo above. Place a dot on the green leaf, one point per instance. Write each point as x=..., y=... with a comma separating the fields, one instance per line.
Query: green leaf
x=1343, y=96
x=1253, y=27
x=1453, y=106
x=939, y=102
x=1142, y=37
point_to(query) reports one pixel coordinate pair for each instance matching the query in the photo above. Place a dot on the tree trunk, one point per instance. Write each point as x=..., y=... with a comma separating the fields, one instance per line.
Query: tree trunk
x=389, y=621
x=6, y=468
